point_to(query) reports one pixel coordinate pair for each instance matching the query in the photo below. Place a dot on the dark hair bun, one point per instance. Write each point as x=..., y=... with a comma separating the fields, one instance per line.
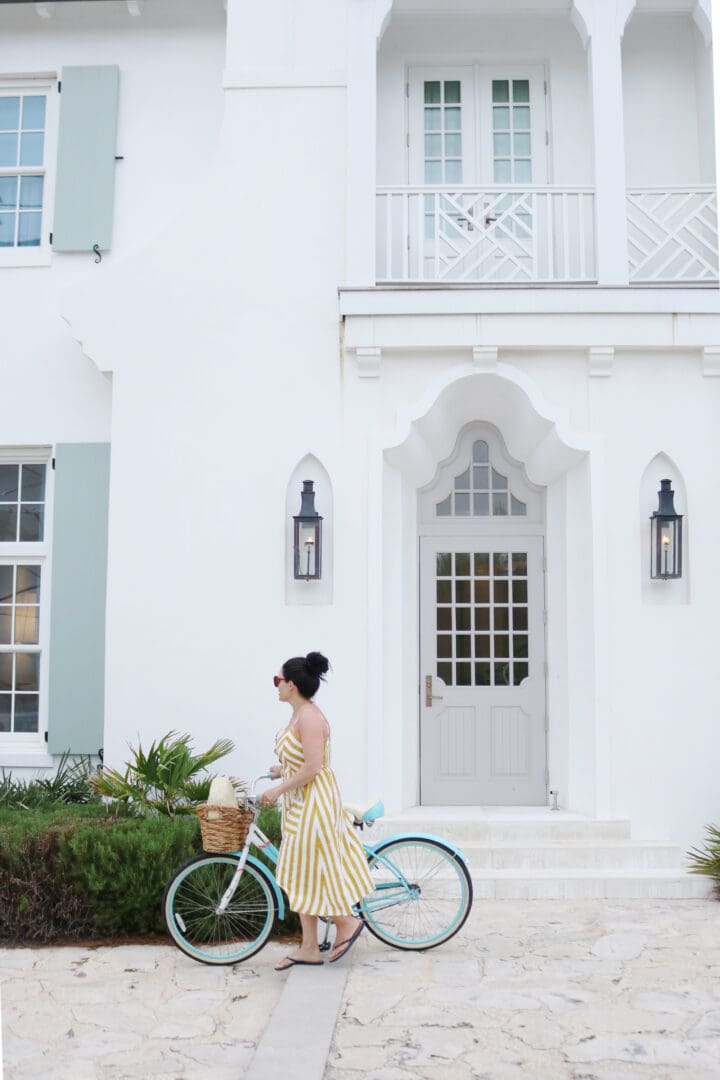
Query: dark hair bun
x=317, y=664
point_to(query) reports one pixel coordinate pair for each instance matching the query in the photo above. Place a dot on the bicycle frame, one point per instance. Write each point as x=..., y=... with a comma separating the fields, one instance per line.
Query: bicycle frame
x=400, y=890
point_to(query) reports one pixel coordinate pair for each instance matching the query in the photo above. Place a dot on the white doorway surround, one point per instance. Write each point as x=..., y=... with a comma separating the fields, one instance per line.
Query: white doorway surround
x=483, y=709
x=567, y=466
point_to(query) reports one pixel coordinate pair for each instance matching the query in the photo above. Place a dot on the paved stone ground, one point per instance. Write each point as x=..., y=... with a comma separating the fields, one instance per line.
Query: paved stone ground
x=132, y=1011
x=538, y=990
x=583, y=990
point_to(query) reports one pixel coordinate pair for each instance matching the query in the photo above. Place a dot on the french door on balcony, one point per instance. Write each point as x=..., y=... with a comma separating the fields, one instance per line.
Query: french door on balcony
x=476, y=142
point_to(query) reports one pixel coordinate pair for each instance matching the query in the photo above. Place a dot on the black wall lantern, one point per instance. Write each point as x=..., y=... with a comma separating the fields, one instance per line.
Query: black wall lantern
x=665, y=536
x=307, y=543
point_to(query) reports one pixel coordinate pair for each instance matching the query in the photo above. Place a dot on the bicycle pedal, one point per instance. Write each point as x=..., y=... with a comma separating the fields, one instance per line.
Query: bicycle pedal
x=325, y=946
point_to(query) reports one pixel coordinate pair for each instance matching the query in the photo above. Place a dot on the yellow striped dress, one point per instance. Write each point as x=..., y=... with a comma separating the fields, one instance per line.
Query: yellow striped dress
x=322, y=866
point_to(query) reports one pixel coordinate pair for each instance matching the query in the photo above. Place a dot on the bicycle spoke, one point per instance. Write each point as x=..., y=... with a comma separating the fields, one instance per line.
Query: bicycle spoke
x=192, y=916
x=422, y=894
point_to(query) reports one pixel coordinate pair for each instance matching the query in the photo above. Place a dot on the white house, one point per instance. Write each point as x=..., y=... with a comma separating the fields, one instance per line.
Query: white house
x=455, y=262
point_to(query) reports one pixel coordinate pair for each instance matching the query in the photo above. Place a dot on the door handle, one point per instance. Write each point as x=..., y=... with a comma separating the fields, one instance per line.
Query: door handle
x=429, y=696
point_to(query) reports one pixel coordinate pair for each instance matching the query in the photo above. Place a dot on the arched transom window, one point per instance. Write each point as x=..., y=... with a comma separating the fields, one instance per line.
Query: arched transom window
x=481, y=490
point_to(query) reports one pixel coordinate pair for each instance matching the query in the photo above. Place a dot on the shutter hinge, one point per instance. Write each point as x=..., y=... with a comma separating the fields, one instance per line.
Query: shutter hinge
x=545, y=87
x=46, y=736
x=547, y=138
x=545, y=617
x=407, y=241
x=53, y=463
x=407, y=139
x=59, y=86
x=407, y=89
x=51, y=237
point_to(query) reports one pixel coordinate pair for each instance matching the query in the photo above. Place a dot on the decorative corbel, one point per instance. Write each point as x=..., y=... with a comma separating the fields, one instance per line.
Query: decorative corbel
x=485, y=357
x=135, y=7
x=600, y=360
x=368, y=360
x=45, y=11
x=711, y=361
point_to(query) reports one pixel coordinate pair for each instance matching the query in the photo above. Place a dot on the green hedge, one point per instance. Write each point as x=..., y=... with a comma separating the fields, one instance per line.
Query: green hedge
x=71, y=872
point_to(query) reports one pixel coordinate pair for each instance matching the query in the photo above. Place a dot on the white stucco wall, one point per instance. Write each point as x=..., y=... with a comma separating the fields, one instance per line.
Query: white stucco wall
x=666, y=97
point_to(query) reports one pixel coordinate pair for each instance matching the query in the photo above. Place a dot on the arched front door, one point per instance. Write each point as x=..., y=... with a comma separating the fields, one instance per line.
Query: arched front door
x=482, y=620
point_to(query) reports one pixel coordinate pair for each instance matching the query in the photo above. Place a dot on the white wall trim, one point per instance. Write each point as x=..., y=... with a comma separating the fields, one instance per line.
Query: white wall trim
x=283, y=78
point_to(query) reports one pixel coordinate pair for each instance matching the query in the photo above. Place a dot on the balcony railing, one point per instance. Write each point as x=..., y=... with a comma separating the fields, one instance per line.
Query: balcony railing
x=490, y=235
x=673, y=234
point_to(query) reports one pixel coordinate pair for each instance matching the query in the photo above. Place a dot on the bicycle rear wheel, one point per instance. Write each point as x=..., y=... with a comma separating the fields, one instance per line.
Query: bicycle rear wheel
x=190, y=904
x=423, y=893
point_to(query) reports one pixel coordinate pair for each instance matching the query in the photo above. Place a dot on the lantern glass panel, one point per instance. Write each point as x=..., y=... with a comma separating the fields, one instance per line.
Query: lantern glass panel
x=306, y=549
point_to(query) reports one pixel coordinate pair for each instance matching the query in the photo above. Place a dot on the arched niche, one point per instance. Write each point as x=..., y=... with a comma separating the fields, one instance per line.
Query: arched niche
x=309, y=592
x=675, y=591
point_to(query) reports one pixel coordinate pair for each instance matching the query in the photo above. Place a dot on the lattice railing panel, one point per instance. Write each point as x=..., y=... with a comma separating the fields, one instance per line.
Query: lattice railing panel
x=465, y=235
x=673, y=234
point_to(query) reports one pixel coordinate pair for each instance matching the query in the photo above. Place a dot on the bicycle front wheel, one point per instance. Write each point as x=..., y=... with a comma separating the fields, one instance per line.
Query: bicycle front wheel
x=194, y=922
x=423, y=893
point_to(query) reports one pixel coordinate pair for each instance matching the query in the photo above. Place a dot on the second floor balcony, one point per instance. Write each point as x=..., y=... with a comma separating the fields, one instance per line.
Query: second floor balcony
x=541, y=235
x=535, y=148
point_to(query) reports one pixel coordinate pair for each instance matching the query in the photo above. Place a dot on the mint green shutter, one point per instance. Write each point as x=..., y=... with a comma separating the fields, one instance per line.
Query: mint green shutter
x=85, y=179
x=77, y=613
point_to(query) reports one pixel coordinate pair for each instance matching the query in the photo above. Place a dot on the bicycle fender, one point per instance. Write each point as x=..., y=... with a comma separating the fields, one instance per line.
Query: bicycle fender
x=373, y=848
x=271, y=881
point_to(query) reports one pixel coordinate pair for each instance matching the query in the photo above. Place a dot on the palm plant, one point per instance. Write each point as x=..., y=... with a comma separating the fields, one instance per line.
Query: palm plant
x=68, y=784
x=166, y=779
x=707, y=860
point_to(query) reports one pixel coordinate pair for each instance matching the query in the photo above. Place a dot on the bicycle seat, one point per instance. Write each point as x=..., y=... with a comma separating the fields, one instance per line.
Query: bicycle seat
x=366, y=813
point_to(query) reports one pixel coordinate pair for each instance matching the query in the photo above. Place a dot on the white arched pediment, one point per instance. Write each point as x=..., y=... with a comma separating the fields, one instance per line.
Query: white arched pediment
x=533, y=433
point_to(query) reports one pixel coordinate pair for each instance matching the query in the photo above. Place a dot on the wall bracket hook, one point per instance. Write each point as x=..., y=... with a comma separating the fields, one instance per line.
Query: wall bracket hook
x=96, y=249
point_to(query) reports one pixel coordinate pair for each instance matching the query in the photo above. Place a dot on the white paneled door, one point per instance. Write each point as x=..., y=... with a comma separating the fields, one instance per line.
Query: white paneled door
x=482, y=653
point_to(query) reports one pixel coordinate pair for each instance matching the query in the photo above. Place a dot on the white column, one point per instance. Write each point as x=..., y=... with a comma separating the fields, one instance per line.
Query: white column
x=365, y=21
x=604, y=24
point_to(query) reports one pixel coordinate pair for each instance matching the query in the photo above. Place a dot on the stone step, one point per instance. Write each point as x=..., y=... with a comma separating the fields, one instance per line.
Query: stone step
x=548, y=828
x=571, y=855
x=589, y=885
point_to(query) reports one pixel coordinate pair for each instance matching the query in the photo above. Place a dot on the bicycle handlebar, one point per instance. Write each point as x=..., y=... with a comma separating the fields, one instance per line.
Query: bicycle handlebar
x=256, y=781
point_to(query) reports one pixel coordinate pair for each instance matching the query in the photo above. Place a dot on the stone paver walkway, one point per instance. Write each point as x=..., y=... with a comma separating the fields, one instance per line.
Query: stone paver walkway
x=132, y=1011
x=529, y=990
x=563, y=990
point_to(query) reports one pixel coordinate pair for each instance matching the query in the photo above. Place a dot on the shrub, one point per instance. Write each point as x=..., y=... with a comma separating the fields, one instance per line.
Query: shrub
x=82, y=871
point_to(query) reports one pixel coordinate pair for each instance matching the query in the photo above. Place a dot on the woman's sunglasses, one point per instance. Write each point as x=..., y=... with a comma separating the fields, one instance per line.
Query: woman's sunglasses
x=277, y=679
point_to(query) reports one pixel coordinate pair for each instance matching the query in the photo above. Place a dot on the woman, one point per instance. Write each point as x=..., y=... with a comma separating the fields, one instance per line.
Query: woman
x=322, y=865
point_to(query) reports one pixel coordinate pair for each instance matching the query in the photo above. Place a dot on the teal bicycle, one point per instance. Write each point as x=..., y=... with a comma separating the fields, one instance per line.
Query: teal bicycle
x=221, y=909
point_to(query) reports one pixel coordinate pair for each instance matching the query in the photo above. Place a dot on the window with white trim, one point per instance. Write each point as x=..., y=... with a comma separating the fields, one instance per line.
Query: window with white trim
x=28, y=120
x=23, y=593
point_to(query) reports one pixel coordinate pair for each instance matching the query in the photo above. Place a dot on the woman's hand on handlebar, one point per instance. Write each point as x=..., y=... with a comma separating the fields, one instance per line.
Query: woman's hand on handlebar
x=270, y=796
x=275, y=772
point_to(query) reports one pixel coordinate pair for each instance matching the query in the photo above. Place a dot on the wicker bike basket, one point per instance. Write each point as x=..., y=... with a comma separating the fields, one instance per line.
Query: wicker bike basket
x=223, y=828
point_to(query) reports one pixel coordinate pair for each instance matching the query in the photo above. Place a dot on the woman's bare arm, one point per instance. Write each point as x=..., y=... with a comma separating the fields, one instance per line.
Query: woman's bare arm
x=312, y=731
